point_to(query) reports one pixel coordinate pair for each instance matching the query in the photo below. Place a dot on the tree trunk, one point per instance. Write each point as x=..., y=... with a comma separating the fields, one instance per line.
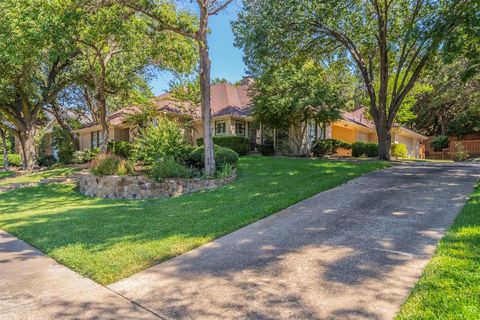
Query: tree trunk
x=29, y=154
x=102, y=104
x=205, y=92
x=384, y=142
x=105, y=136
x=5, y=149
x=444, y=125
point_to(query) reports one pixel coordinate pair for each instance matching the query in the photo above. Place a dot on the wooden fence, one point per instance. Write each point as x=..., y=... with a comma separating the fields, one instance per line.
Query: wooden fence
x=472, y=147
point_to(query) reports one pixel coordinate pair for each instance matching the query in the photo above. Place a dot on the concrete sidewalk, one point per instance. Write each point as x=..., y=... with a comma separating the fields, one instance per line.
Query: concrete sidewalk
x=352, y=252
x=33, y=286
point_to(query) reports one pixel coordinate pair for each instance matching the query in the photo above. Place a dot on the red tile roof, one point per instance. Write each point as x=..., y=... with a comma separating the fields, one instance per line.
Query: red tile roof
x=358, y=117
x=226, y=99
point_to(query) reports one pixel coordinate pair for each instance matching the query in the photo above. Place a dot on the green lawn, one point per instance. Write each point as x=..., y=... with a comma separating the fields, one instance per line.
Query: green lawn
x=450, y=285
x=5, y=174
x=108, y=240
x=37, y=176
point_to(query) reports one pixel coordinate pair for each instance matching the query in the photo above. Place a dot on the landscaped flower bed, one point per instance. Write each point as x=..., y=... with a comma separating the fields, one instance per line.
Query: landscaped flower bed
x=142, y=187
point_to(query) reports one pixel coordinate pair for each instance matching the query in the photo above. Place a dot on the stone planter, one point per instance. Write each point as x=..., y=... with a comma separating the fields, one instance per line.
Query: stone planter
x=142, y=187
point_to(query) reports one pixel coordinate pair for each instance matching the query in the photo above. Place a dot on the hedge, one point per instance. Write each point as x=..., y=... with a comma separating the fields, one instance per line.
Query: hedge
x=364, y=149
x=223, y=156
x=371, y=150
x=358, y=149
x=323, y=147
x=399, y=150
x=240, y=145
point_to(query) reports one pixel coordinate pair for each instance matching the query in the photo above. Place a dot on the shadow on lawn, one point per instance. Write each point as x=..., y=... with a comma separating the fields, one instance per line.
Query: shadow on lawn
x=289, y=265
x=323, y=259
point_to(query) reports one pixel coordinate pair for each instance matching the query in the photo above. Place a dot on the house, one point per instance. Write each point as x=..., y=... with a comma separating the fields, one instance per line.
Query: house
x=231, y=115
x=355, y=126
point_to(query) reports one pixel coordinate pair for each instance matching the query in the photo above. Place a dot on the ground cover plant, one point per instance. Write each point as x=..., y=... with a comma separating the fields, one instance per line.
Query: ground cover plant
x=450, y=285
x=108, y=240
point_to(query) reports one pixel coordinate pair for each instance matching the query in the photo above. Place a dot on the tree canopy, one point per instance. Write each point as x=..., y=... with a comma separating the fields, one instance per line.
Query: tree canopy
x=36, y=56
x=386, y=42
x=451, y=105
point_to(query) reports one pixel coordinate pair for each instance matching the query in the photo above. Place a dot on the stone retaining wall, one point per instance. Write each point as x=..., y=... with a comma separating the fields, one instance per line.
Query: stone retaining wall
x=142, y=187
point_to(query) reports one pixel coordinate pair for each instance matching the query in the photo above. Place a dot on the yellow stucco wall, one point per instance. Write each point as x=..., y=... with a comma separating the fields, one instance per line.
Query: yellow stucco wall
x=343, y=134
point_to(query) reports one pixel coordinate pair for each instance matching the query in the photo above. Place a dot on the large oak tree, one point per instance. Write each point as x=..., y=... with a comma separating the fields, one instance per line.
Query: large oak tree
x=36, y=56
x=388, y=41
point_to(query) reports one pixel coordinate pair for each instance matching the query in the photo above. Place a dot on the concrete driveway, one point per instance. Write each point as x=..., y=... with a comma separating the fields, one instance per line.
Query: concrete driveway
x=352, y=252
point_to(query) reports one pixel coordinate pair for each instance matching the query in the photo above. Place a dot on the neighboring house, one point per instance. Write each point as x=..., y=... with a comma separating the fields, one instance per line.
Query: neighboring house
x=354, y=126
x=231, y=115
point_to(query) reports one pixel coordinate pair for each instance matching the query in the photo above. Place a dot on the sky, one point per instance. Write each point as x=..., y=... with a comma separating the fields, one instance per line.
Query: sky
x=227, y=61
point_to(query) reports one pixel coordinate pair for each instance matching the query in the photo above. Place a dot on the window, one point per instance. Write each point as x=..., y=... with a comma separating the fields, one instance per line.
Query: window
x=312, y=131
x=220, y=128
x=239, y=128
x=362, y=136
x=96, y=137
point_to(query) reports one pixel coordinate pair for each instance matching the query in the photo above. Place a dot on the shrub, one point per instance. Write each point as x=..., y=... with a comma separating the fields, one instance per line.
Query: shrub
x=169, y=168
x=240, y=145
x=46, y=161
x=223, y=156
x=364, y=149
x=64, y=145
x=459, y=152
x=78, y=157
x=85, y=156
x=266, y=149
x=110, y=164
x=183, y=156
x=121, y=148
x=284, y=149
x=159, y=141
x=439, y=143
x=358, y=149
x=14, y=160
x=323, y=147
x=371, y=150
x=399, y=150
x=225, y=172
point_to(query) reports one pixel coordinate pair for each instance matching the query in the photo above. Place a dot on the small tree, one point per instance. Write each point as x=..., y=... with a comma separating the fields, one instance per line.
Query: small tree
x=291, y=94
x=113, y=46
